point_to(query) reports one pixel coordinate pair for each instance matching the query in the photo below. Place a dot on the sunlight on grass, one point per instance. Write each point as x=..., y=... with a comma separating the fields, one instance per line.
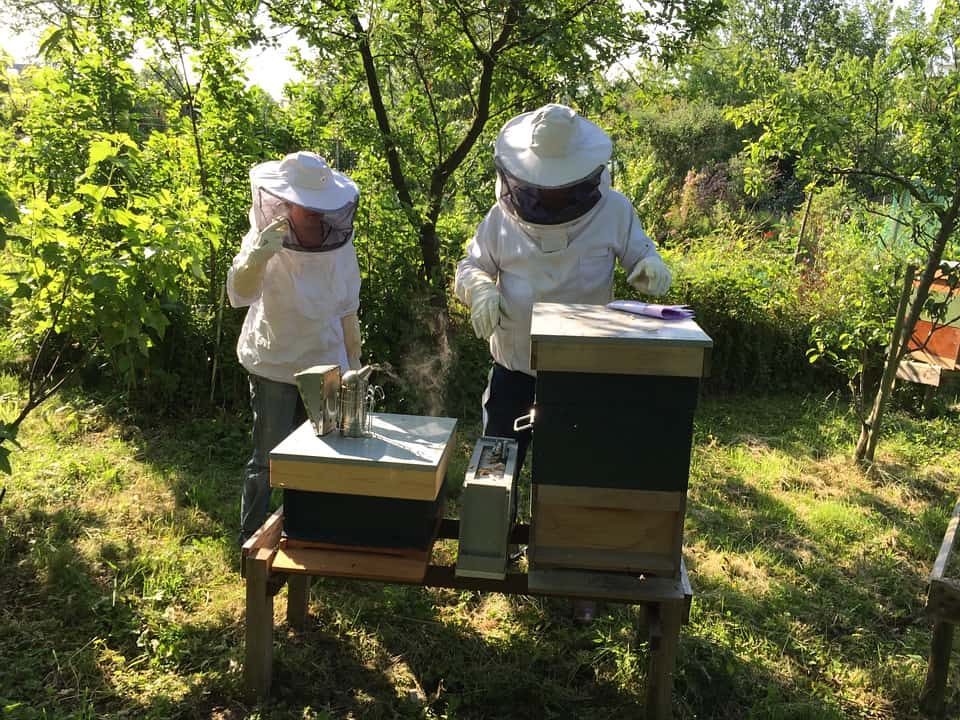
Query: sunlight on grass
x=808, y=575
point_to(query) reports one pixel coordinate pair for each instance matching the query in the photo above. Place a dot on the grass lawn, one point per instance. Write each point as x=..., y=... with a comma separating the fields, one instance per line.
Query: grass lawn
x=120, y=597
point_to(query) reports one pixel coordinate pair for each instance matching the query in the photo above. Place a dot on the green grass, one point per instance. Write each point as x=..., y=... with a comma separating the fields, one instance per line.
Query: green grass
x=120, y=595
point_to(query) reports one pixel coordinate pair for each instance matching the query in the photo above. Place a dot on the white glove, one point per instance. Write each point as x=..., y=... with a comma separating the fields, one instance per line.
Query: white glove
x=651, y=276
x=483, y=297
x=270, y=241
x=248, y=275
x=351, y=339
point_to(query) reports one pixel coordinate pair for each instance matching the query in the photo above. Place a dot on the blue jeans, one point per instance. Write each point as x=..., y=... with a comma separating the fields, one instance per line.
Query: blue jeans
x=277, y=411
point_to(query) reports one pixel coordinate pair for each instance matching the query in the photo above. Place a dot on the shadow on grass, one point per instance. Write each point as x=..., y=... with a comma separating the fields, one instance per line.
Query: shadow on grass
x=74, y=641
x=540, y=666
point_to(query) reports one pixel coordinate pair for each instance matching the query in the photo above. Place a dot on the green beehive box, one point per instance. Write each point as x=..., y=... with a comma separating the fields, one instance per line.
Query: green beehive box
x=383, y=490
x=616, y=395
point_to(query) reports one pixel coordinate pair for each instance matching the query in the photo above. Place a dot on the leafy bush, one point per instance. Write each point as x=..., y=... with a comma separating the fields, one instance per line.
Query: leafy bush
x=747, y=297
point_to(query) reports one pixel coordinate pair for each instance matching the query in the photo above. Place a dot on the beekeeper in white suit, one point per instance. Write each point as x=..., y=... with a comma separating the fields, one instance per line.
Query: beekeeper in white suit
x=553, y=236
x=297, y=274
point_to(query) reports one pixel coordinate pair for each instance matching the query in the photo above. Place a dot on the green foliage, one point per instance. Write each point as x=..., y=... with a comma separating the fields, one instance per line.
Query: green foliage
x=857, y=280
x=745, y=295
x=99, y=268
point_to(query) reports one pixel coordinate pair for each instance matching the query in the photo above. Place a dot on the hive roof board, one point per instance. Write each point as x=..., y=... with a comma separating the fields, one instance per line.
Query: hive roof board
x=569, y=337
x=405, y=456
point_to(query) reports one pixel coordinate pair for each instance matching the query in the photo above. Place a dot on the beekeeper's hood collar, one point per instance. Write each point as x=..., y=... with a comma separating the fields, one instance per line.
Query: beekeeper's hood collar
x=552, y=146
x=305, y=179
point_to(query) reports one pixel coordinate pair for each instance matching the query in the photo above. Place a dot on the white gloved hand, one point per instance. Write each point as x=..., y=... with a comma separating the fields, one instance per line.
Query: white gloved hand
x=483, y=297
x=270, y=241
x=247, y=276
x=351, y=339
x=651, y=276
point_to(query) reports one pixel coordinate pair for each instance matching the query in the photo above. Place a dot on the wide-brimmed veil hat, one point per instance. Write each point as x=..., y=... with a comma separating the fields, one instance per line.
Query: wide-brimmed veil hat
x=551, y=146
x=305, y=179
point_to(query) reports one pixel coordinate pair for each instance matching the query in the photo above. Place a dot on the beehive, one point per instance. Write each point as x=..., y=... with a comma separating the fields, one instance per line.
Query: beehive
x=936, y=337
x=381, y=491
x=615, y=400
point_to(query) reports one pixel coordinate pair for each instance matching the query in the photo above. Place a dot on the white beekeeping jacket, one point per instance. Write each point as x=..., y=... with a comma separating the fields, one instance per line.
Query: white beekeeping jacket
x=293, y=320
x=573, y=263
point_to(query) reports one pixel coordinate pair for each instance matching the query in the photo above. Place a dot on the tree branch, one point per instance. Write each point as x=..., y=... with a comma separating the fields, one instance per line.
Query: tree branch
x=397, y=177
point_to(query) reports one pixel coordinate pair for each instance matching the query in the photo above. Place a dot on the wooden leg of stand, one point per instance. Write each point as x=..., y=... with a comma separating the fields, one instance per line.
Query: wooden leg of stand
x=935, y=687
x=298, y=594
x=926, y=407
x=662, y=662
x=258, y=663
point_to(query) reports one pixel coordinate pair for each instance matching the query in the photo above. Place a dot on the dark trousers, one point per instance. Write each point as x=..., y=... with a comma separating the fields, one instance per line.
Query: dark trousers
x=509, y=395
x=277, y=411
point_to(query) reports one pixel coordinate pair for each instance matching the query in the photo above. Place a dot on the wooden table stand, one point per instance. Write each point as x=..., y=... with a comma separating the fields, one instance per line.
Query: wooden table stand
x=943, y=606
x=267, y=568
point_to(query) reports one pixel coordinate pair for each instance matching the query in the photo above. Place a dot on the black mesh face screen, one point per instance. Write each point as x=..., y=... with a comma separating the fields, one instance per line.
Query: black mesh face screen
x=550, y=206
x=310, y=230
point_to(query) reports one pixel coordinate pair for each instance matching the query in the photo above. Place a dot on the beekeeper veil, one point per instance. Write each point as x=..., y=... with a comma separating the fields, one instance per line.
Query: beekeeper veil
x=327, y=201
x=551, y=165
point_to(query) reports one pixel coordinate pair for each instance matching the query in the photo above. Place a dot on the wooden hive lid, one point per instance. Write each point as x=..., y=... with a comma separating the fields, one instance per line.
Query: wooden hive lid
x=591, y=338
x=404, y=457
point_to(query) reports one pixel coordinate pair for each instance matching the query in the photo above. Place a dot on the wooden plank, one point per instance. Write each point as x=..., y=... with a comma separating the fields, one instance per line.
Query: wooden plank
x=340, y=563
x=410, y=553
x=946, y=545
x=626, y=360
x=919, y=372
x=663, y=662
x=943, y=600
x=620, y=498
x=604, y=586
x=935, y=685
x=941, y=343
x=298, y=597
x=258, y=649
x=395, y=482
x=546, y=556
x=267, y=536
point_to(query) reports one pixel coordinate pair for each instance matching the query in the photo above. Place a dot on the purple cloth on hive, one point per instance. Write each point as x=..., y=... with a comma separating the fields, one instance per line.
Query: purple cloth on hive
x=664, y=312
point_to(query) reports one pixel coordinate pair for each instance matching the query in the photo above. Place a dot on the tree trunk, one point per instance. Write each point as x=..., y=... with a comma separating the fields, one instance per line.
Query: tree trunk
x=803, y=228
x=870, y=427
x=870, y=431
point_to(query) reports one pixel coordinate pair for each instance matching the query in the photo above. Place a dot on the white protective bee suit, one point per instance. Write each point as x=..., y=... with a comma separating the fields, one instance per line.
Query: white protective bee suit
x=570, y=261
x=298, y=276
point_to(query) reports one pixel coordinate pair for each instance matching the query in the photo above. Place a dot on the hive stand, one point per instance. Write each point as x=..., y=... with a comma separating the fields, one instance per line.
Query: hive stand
x=943, y=606
x=267, y=565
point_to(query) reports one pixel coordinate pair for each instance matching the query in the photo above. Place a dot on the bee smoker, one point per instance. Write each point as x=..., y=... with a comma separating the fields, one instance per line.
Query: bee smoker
x=357, y=399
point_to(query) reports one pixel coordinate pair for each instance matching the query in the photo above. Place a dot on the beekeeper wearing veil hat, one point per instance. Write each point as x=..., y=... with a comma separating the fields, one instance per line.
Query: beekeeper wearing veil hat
x=553, y=235
x=298, y=277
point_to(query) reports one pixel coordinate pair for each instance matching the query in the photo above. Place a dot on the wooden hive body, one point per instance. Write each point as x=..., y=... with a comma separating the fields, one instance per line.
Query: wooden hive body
x=613, y=427
x=936, y=338
x=382, y=491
